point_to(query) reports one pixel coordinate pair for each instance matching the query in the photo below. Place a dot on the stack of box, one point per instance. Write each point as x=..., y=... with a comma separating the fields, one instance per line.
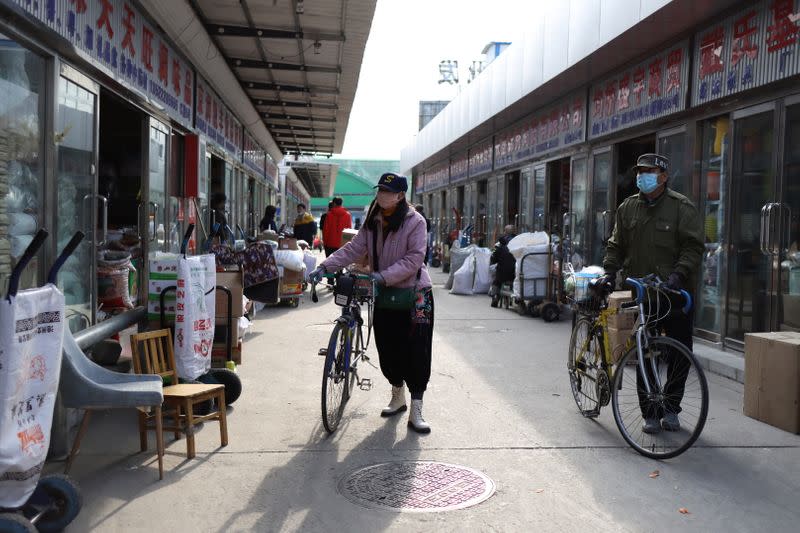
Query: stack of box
x=233, y=281
x=163, y=274
x=291, y=281
x=772, y=379
x=348, y=234
x=620, y=324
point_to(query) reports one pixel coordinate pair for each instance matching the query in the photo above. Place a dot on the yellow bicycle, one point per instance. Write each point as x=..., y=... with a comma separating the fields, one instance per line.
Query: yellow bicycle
x=656, y=377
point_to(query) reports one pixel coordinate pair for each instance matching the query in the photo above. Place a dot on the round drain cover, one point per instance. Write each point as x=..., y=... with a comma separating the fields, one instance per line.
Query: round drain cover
x=416, y=486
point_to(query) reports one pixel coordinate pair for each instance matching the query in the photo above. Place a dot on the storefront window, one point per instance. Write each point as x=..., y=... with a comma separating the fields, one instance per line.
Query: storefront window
x=580, y=200
x=539, y=193
x=603, y=217
x=674, y=147
x=22, y=88
x=715, y=150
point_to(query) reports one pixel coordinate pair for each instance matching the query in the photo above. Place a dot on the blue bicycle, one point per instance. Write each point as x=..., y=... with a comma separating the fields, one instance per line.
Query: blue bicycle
x=346, y=346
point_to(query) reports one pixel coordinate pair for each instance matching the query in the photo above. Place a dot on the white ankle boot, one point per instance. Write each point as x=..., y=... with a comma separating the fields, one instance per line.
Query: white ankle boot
x=398, y=402
x=415, y=420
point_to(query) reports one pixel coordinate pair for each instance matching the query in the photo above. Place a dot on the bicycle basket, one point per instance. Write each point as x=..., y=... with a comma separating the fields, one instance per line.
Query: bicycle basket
x=363, y=289
x=343, y=290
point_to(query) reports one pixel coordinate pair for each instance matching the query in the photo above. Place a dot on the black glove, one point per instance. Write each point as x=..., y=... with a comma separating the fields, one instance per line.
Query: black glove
x=608, y=281
x=316, y=275
x=675, y=281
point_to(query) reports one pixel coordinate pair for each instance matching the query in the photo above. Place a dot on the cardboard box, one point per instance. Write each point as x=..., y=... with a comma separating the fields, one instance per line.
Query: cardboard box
x=219, y=356
x=348, y=234
x=288, y=243
x=617, y=338
x=234, y=282
x=291, y=282
x=772, y=379
x=617, y=298
x=791, y=310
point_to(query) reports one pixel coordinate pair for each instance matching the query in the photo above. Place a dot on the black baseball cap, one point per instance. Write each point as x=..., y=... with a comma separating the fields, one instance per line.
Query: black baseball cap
x=392, y=182
x=652, y=161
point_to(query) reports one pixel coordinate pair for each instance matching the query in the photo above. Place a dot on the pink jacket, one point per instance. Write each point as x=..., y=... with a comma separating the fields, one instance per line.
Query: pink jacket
x=399, y=258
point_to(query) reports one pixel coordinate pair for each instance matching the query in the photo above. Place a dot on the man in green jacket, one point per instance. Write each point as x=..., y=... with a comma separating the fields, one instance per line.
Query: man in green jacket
x=658, y=231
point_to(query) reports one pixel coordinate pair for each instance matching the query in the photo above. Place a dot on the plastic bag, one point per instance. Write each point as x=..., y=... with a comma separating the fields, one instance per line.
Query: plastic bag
x=457, y=258
x=521, y=242
x=194, y=315
x=483, y=276
x=464, y=278
x=31, y=340
x=113, y=280
x=290, y=259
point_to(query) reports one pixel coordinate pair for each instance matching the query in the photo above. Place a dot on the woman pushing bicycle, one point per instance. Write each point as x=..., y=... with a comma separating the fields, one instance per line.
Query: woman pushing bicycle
x=394, y=238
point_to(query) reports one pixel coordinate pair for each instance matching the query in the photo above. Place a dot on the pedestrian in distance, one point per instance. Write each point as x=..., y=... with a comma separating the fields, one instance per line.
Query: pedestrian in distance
x=268, y=222
x=305, y=228
x=336, y=221
x=506, y=264
x=659, y=231
x=393, y=237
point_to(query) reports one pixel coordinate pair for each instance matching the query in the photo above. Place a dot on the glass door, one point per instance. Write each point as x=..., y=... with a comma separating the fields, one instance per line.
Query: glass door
x=523, y=222
x=539, y=198
x=787, y=253
x=579, y=203
x=491, y=213
x=714, y=181
x=157, y=221
x=748, y=306
x=672, y=144
x=79, y=205
x=602, y=213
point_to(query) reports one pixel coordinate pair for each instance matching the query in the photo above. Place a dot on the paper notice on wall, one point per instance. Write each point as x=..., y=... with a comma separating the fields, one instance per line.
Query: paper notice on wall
x=31, y=329
x=194, y=315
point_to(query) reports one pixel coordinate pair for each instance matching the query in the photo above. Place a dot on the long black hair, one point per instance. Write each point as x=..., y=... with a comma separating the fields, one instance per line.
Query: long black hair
x=395, y=220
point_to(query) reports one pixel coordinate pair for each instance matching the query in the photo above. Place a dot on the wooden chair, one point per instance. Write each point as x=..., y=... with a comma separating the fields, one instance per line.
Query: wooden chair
x=156, y=357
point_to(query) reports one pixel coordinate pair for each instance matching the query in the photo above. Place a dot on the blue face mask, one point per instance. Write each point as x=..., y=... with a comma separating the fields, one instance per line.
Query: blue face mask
x=647, y=182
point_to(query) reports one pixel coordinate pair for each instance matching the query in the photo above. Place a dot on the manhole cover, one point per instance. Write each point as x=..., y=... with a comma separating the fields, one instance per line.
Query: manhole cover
x=416, y=486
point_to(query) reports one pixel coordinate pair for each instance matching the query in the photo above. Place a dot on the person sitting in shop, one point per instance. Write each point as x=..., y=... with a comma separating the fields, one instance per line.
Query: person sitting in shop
x=506, y=264
x=305, y=228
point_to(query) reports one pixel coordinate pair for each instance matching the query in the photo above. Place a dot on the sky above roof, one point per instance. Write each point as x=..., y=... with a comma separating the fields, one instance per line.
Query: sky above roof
x=407, y=41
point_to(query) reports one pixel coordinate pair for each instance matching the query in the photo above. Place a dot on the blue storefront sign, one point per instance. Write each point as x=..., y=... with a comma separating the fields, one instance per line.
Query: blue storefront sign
x=652, y=89
x=216, y=122
x=459, y=168
x=437, y=177
x=480, y=158
x=552, y=128
x=113, y=36
x=755, y=46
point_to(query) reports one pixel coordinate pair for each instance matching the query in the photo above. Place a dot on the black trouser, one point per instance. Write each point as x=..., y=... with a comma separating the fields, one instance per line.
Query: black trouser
x=404, y=341
x=679, y=327
x=329, y=251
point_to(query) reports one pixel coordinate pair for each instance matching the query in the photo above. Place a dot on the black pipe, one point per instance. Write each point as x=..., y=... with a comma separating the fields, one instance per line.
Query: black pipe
x=94, y=334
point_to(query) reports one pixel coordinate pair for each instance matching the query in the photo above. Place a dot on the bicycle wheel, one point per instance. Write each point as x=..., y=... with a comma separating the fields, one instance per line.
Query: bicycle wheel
x=335, y=388
x=354, y=358
x=669, y=364
x=587, y=377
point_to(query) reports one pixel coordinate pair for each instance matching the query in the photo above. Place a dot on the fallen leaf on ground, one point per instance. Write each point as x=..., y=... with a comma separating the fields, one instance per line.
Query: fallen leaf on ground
x=539, y=491
x=684, y=510
x=655, y=474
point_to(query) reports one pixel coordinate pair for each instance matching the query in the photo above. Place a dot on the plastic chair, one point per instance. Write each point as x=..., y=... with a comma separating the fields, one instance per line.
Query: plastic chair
x=156, y=356
x=86, y=385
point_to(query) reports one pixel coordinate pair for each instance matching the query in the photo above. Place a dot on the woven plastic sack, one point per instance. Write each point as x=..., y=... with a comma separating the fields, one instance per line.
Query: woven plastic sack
x=464, y=277
x=457, y=258
x=194, y=315
x=483, y=276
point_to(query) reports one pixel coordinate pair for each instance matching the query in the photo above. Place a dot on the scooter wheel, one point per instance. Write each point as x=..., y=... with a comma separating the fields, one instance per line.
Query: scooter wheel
x=232, y=382
x=15, y=523
x=61, y=492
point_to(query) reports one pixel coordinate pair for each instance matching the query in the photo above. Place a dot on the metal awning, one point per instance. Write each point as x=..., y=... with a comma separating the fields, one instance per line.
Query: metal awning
x=297, y=61
x=318, y=178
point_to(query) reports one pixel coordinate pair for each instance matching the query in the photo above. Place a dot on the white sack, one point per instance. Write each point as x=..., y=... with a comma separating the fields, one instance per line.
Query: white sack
x=457, y=258
x=310, y=261
x=483, y=277
x=534, y=269
x=518, y=244
x=464, y=278
x=194, y=315
x=290, y=259
x=31, y=339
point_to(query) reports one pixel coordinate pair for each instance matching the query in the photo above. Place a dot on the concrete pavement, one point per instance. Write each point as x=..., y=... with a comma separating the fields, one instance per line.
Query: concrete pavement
x=499, y=401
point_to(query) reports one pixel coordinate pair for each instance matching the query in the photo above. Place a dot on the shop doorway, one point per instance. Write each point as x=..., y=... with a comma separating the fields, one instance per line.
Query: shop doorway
x=218, y=212
x=460, y=206
x=558, y=186
x=627, y=154
x=481, y=222
x=512, y=200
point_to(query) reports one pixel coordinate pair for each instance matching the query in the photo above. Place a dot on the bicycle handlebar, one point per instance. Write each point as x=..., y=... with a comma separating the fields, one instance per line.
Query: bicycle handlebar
x=654, y=282
x=334, y=275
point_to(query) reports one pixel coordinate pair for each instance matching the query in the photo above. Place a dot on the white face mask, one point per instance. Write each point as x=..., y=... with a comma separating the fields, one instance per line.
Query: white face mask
x=388, y=200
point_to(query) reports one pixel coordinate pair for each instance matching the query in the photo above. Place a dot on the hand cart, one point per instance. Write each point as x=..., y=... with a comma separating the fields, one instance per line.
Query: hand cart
x=28, y=502
x=217, y=375
x=543, y=300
